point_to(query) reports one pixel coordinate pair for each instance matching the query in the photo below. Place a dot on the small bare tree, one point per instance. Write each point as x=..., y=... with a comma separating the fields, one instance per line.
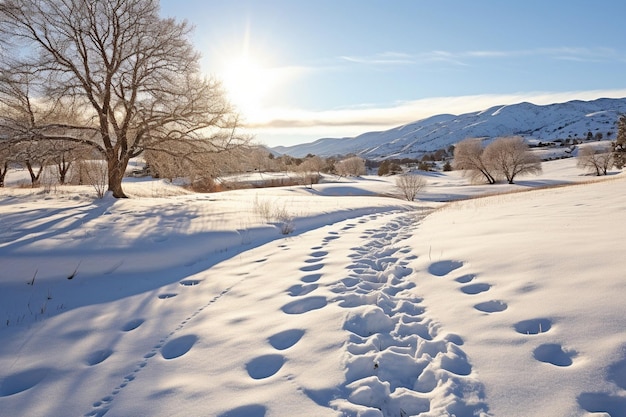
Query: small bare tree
x=310, y=170
x=468, y=156
x=510, y=157
x=34, y=156
x=65, y=154
x=596, y=158
x=410, y=185
x=353, y=166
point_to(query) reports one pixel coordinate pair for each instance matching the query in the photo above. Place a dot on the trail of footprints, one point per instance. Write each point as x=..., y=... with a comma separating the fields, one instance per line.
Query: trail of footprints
x=552, y=353
x=170, y=347
x=397, y=357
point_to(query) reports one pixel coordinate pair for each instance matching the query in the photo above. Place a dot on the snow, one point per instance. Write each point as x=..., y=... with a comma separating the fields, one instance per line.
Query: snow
x=179, y=304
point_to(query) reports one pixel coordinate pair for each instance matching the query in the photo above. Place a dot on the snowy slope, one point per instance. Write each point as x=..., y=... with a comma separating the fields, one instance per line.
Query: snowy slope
x=573, y=119
x=194, y=305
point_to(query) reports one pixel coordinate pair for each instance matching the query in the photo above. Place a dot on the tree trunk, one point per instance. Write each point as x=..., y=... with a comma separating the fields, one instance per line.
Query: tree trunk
x=63, y=167
x=116, y=169
x=34, y=177
x=3, y=172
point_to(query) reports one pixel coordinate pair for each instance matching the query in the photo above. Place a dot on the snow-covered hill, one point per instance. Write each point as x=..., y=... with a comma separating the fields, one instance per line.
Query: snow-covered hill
x=570, y=120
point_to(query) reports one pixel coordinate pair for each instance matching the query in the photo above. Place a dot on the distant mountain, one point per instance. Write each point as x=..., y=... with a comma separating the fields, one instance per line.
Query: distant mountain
x=570, y=120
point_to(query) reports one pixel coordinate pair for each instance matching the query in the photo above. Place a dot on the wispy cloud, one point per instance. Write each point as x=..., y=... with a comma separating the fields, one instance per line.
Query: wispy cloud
x=562, y=53
x=464, y=58
x=384, y=58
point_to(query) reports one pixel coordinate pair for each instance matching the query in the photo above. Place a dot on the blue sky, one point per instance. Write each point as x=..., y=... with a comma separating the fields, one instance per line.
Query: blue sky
x=302, y=70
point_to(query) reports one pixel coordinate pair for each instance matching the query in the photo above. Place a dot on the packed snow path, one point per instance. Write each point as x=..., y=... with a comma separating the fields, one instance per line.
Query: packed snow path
x=382, y=356
x=399, y=363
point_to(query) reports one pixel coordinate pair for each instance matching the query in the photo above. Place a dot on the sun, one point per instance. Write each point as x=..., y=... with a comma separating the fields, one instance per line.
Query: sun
x=248, y=84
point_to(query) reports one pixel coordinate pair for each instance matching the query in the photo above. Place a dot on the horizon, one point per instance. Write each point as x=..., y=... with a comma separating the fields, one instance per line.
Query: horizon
x=298, y=72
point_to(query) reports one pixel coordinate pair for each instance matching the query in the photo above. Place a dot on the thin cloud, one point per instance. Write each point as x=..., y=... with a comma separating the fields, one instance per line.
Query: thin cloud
x=561, y=53
x=384, y=58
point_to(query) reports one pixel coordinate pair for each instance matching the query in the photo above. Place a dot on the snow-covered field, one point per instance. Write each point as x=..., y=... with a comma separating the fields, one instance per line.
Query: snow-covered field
x=178, y=304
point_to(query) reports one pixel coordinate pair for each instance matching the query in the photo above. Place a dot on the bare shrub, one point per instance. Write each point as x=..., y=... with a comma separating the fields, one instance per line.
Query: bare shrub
x=262, y=208
x=271, y=212
x=94, y=173
x=410, y=185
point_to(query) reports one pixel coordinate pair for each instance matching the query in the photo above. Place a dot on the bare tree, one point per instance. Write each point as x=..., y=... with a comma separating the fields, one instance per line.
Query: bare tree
x=310, y=170
x=597, y=158
x=132, y=74
x=353, y=166
x=312, y=164
x=410, y=185
x=468, y=156
x=511, y=157
x=65, y=154
x=32, y=155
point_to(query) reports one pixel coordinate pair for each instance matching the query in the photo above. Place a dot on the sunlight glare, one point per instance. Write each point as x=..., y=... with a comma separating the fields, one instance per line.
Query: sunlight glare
x=248, y=83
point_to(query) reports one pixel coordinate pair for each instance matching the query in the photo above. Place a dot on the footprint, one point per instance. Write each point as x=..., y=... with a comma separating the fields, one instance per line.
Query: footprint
x=22, y=381
x=167, y=295
x=350, y=281
x=454, y=338
x=465, y=278
x=178, y=347
x=253, y=410
x=310, y=268
x=190, y=282
x=133, y=324
x=311, y=278
x=493, y=306
x=265, y=366
x=319, y=254
x=553, y=353
x=368, y=321
x=456, y=362
x=98, y=356
x=304, y=305
x=286, y=339
x=300, y=290
x=533, y=326
x=442, y=268
x=474, y=289
x=599, y=402
x=617, y=374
